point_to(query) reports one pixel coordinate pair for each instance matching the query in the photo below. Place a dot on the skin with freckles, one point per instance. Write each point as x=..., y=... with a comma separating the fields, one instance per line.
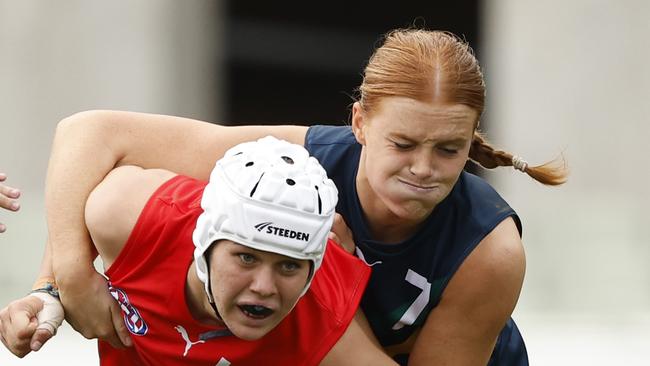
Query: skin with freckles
x=413, y=153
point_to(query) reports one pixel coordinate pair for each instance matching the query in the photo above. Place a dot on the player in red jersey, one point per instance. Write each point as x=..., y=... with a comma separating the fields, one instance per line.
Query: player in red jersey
x=259, y=230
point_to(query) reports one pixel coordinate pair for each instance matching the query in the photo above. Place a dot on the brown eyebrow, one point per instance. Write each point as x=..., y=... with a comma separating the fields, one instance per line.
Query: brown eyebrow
x=453, y=140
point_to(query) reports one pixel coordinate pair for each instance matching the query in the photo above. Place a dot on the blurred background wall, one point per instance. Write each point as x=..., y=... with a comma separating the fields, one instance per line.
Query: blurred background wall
x=573, y=77
x=58, y=58
x=563, y=77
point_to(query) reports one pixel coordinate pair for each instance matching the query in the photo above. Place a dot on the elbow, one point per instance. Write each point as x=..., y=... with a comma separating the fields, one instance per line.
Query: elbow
x=88, y=132
x=81, y=122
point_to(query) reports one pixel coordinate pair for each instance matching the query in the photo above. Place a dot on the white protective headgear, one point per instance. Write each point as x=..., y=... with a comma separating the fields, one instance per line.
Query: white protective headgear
x=268, y=195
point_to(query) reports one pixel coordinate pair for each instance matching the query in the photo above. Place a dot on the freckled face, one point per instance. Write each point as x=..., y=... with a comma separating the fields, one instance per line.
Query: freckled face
x=413, y=153
x=254, y=290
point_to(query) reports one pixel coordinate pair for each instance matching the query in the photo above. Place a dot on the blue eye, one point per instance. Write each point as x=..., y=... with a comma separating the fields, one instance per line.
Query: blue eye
x=246, y=258
x=290, y=266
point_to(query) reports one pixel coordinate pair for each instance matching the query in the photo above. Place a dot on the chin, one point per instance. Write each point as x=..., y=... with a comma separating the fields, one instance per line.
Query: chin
x=249, y=334
x=418, y=213
x=252, y=331
x=411, y=210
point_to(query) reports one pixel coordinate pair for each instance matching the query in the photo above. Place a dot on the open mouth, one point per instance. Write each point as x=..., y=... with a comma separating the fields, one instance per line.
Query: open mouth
x=255, y=311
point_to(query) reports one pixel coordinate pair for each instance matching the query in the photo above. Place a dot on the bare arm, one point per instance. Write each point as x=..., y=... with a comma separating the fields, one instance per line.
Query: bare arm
x=463, y=328
x=357, y=347
x=115, y=204
x=45, y=273
x=86, y=147
x=28, y=323
x=90, y=144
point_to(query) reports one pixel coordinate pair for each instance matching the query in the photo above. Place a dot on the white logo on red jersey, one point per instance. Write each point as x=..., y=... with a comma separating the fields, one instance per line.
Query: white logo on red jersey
x=186, y=338
x=189, y=344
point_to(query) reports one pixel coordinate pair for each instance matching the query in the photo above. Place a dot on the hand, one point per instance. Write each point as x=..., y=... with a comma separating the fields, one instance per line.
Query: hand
x=92, y=311
x=26, y=324
x=8, y=199
x=342, y=234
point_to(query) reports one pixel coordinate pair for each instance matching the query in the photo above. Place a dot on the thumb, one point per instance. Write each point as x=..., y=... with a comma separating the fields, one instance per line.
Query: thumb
x=51, y=315
x=39, y=338
x=118, y=324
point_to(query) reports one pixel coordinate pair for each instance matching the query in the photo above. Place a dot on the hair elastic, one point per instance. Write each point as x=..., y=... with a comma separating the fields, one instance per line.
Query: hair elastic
x=519, y=163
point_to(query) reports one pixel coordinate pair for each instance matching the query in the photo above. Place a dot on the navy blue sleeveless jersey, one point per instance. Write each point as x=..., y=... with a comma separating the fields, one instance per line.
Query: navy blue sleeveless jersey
x=408, y=278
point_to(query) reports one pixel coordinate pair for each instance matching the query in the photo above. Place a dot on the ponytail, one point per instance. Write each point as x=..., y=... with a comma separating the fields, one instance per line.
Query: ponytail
x=552, y=173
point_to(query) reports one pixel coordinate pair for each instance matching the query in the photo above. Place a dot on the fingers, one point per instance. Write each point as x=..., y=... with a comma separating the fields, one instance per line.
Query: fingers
x=22, y=316
x=341, y=234
x=113, y=339
x=94, y=313
x=8, y=199
x=9, y=192
x=39, y=338
x=18, y=323
x=109, y=327
x=120, y=328
x=18, y=346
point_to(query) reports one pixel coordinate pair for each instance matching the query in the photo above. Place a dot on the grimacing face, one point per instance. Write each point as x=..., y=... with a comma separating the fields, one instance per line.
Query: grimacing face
x=253, y=289
x=413, y=153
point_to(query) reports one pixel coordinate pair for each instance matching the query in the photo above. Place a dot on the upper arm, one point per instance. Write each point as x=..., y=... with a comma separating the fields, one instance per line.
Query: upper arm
x=113, y=207
x=88, y=145
x=186, y=146
x=476, y=304
x=357, y=347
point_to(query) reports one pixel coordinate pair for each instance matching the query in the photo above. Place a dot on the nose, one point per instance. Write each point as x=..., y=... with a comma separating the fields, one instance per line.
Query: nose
x=263, y=282
x=422, y=163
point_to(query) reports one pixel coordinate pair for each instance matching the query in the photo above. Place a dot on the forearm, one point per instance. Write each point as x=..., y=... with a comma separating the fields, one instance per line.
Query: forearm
x=78, y=162
x=45, y=273
x=86, y=147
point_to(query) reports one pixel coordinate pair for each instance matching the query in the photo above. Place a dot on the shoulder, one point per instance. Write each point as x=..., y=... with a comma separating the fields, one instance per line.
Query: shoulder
x=499, y=258
x=482, y=203
x=113, y=207
x=478, y=301
x=492, y=275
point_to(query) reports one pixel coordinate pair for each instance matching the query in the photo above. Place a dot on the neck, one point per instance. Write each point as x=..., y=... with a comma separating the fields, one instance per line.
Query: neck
x=385, y=226
x=197, y=299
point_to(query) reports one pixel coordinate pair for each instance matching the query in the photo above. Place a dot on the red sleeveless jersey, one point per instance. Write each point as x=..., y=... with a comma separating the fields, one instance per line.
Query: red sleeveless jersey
x=148, y=280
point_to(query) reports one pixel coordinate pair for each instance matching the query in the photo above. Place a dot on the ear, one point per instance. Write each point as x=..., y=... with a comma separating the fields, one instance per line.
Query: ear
x=358, y=123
